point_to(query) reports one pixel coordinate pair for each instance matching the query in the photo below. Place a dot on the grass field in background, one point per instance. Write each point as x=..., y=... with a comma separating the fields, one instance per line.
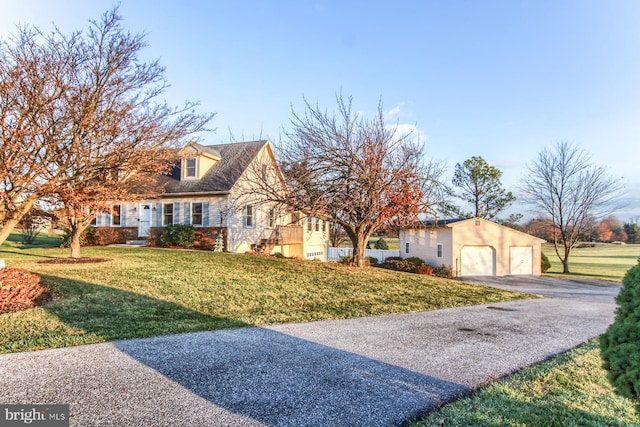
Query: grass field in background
x=144, y=292
x=605, y=262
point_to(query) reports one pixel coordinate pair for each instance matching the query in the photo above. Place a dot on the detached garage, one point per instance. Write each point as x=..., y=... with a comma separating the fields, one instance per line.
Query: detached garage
x=473, y=247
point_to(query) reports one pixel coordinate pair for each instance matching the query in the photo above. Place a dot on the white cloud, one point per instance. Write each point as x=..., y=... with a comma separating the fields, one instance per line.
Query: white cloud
x=410, y=129
x=393, y=112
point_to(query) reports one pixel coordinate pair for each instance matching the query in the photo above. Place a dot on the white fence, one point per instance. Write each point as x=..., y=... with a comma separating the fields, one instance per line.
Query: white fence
x=334, y=254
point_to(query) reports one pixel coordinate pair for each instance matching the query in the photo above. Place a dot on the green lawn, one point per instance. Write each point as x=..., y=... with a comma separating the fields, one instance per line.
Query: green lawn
x=605, y=262
x=145, y=292
x=569, y=390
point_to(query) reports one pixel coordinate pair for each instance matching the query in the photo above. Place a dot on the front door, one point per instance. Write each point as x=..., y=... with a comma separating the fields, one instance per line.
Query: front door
x=145, y=220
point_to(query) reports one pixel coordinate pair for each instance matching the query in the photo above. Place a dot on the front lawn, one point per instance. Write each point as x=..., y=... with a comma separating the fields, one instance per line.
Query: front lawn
x=569, y=390
x=145, y=292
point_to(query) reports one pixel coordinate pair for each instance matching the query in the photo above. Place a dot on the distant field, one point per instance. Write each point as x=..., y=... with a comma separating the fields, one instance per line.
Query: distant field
x=605, y=262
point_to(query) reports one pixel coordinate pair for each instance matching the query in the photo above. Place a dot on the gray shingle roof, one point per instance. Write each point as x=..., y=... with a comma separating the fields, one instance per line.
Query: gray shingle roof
x=234, y=160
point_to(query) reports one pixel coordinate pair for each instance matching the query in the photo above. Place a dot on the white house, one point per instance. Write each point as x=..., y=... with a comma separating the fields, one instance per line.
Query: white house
x=473, y=247
x=210, y=188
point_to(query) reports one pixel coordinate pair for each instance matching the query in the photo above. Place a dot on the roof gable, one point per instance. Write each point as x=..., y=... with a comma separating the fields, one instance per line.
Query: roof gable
x=232, y=161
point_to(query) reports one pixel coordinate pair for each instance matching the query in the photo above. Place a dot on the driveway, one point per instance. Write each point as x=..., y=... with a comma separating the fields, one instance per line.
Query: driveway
x=373, y=371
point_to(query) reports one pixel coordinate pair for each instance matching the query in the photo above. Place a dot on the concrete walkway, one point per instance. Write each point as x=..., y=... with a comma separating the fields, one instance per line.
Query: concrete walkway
x=374, y=371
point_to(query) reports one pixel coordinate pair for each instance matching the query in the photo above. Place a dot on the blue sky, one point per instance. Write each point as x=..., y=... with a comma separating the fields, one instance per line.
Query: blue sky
x=498, y=79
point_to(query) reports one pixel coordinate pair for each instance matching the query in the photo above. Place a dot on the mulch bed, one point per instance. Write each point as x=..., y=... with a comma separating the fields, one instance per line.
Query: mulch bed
x=21, y=289
x=83, y=260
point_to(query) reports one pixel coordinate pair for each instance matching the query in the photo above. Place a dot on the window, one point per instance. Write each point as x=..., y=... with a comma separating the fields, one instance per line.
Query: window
x=196, y=213
x=264, y=173
x=190, y=169
x=406, y=248
x=167, y=214
x=317, y=224
x=272, y=218
x=115, y=215
x=94, y=221
x=440, y=250
x=309, y=223
x=247, y=215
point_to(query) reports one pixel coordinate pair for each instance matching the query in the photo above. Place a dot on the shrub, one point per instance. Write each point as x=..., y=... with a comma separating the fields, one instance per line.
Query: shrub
x=87, y=238
x=178, y=235
x=399, y=265
x=394, y=258
x=347, y=259
x=372, y=260
x=620, y=345
x=415, y=261
x=443, y=271
x=279, y=255
x=545, y=263
x=425, y=269
x=381, y=244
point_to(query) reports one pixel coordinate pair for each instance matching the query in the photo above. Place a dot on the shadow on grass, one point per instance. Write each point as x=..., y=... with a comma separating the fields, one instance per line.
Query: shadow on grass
x=25, y=253
x=112, y=313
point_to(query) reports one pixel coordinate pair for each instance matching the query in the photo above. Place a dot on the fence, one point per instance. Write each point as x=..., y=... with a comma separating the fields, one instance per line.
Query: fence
x=334, y=254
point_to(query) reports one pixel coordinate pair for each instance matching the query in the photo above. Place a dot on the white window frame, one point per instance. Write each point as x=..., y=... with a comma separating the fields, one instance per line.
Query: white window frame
x=406, y=247
x=440, y=250
x=164, y=214
x=271, y=218
x=186, y=174
x=248, y=217
x=193, y=214
x=119, y=216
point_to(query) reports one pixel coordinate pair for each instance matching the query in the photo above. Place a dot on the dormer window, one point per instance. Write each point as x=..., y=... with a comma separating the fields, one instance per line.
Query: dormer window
x=190, y=168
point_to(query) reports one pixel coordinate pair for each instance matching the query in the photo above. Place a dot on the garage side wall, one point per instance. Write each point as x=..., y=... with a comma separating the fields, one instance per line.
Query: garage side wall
x=475, y=232
x=423, y=243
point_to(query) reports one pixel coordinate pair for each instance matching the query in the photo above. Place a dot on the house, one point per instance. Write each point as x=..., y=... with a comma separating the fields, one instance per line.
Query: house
x=473, y=247
x=212, y=188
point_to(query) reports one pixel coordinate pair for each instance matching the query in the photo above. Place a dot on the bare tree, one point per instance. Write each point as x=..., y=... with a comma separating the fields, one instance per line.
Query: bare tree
x=103, y=132
x=564, y=185
x=358, y=173
x=337, y=235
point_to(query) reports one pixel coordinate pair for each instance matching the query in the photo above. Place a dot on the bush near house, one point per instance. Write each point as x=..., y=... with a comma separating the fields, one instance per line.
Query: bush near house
x=545, y=263
x=418, y=266
x=178, y=235
x=620, y=345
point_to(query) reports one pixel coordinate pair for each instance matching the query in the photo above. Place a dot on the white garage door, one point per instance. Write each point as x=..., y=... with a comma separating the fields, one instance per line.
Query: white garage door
x=521, y=260
x=478, y=261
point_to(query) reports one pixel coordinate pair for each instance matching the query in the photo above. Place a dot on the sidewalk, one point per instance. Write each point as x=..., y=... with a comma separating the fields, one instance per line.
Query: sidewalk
x=373, y=371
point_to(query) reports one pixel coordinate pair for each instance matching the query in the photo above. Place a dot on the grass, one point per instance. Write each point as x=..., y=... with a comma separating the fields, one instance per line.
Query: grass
x=146, y=292
x=604, y=262
x=569, y=390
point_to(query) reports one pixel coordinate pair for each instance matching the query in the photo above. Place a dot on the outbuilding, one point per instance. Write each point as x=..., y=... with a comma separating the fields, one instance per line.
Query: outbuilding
x=473, y=247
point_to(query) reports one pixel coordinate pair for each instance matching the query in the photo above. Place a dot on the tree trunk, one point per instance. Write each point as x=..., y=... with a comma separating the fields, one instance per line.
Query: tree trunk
x=75, y=245
x=359, y=248
x=76, y=233
x=16, y=216
x=565, y=260
x=8, y=227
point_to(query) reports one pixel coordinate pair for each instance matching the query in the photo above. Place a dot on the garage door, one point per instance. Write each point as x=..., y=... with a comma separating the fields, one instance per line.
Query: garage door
x=478, y=261
x=521, y=260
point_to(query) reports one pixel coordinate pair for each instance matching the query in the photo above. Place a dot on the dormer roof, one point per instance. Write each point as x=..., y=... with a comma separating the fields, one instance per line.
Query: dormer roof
x=232, y=160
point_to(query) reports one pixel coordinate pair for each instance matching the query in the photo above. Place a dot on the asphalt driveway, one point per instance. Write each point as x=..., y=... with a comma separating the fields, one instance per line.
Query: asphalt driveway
x=373, y=371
